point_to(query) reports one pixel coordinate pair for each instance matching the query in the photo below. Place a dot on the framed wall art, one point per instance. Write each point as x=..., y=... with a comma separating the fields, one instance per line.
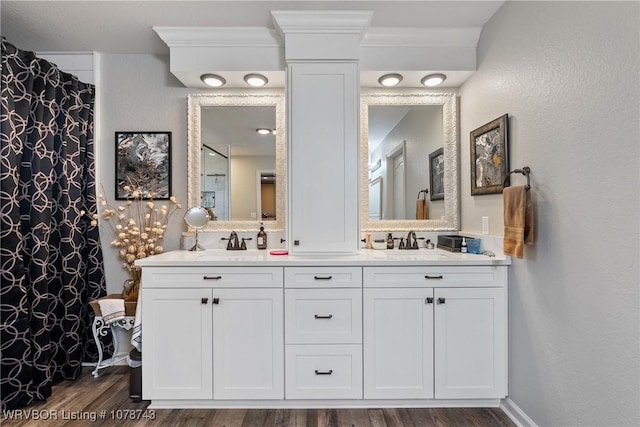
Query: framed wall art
x=143, y=163
x=489, y=159
x=436, y=174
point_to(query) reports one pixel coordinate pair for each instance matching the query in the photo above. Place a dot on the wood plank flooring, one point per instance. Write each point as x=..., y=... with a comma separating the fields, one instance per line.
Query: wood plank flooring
x=109, y=395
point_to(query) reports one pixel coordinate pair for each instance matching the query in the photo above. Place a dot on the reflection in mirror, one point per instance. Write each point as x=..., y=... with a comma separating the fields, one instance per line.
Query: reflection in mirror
x=401, y=138
x=234, y=171
x=237, y=162
x=402, y=133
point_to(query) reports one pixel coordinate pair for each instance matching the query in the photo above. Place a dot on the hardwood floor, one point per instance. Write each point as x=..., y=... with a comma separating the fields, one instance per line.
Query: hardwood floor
x=106, y=399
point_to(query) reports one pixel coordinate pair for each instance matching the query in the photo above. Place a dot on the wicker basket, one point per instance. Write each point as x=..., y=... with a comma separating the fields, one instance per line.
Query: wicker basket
x=129, y=306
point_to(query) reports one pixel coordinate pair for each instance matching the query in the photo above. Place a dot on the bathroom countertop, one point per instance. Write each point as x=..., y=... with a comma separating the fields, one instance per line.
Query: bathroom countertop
x=365, y=257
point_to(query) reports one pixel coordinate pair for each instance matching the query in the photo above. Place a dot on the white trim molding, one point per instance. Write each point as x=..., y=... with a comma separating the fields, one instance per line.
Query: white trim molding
x=517, y=415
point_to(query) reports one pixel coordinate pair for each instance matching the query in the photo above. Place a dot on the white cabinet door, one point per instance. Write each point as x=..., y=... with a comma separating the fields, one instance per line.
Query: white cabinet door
x=398, y=343
x=323, y=111
x=470, y=343
x=176, y=344
x=248, y=337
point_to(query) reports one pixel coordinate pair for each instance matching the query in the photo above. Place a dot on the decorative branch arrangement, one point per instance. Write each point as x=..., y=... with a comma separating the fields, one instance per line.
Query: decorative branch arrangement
x=137, y=228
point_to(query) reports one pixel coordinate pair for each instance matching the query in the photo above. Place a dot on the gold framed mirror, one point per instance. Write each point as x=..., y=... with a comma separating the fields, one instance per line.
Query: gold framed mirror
x=408, y=128
x=238, y=185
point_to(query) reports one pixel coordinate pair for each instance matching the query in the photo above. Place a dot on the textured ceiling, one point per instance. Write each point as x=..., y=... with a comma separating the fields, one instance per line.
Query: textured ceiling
x=126, y=26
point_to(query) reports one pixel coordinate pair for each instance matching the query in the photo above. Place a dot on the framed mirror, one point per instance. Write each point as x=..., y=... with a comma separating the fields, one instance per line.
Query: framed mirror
x=409, y=144
x=235, y=171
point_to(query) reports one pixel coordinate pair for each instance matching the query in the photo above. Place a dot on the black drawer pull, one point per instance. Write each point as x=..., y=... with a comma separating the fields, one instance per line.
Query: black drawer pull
x=212, y=277
x=323, y=317
x=329, y=372
x=204, y=300
x=441, y=300
x=322, y=277
x=434, y=277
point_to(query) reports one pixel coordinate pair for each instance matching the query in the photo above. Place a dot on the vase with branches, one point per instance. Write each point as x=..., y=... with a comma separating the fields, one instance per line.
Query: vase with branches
x=136, y=227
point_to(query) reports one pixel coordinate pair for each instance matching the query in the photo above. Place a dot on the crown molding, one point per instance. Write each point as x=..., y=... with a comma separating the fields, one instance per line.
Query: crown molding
x=421, y=37
x=321, y=21
x=219, y=36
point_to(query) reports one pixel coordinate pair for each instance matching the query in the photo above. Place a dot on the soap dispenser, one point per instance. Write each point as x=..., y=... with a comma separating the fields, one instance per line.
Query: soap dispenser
x=463, y=245
x=262, y=238
x=390, y=242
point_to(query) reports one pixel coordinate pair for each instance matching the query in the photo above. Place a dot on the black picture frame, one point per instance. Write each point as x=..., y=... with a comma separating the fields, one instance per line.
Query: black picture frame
x=143, y=163
x=436, y=175
x=489, y=157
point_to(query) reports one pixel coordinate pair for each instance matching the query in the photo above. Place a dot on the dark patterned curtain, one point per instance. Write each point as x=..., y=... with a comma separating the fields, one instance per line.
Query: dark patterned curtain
x=50, y=255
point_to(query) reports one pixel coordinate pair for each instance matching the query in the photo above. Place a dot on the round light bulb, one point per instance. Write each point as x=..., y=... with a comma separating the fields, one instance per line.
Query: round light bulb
x=256, y=80
x=433, y=80
x=390, y=80
x=213, y=80
x=264, y=131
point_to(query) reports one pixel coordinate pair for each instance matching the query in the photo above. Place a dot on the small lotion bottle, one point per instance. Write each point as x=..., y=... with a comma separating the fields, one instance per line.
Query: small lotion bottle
x=262, y=238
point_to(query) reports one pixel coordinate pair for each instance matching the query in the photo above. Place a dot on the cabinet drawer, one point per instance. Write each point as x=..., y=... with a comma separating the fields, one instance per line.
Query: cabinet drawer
x=323, y=277
x=212, y=277
x=324, y=372
x=323, y=316
x=412, y=277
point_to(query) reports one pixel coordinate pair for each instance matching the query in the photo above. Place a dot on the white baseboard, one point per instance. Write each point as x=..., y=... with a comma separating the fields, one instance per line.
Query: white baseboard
x=517, y=415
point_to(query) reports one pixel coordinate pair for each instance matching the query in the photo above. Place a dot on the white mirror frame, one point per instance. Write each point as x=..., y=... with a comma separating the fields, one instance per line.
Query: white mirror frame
x=194, y=167
x=451, y=220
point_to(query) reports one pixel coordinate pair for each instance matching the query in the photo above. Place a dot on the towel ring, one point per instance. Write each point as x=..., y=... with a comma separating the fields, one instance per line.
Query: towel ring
x=524, y=171
x=425, y=191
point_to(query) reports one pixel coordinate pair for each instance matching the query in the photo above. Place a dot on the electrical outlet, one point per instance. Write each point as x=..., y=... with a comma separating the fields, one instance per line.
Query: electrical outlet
x=485, y=225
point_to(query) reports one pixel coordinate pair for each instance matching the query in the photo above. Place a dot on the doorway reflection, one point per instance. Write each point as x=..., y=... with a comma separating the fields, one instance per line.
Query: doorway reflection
x=215, y=182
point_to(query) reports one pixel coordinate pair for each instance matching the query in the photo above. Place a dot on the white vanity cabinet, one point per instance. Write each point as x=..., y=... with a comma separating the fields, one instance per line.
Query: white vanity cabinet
x=294, y=331
x=323, y=330
x=213, y=333
x=323, y=158
x=435, y=332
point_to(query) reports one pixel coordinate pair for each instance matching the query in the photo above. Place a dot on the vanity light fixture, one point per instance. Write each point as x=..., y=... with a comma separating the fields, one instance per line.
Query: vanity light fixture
x=213, y=80
x=390, y=80
x=265, y=131
x=256, y=80
x=433, y=80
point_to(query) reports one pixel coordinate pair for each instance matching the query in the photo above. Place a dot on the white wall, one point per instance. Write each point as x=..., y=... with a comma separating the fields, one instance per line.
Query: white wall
x=567, y=74
x=139, y=93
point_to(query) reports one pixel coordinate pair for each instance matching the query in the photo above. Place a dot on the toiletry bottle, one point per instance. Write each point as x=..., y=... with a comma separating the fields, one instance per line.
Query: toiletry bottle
x=367, y=241
x=390, y=242
x=187, y=241
x=262, y=238
x=463, y=246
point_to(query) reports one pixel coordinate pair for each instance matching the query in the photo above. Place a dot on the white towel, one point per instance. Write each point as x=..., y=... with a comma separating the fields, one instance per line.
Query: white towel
x=136, y=335
x=112, y=310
